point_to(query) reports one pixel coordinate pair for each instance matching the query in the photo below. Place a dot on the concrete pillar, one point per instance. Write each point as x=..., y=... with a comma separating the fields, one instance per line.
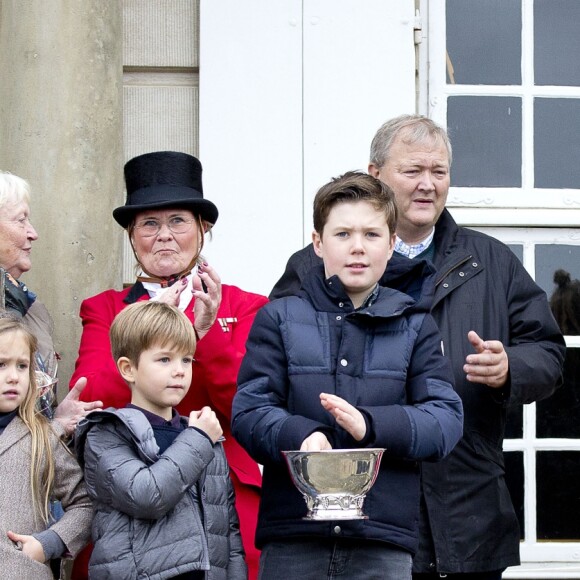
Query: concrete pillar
x=61, y=129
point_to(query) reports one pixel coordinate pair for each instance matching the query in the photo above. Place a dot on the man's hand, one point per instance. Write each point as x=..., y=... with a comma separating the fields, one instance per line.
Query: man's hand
x=347, y=416
x=315, y=442
x=489, y=365
x=71, y=410
x=29, y=545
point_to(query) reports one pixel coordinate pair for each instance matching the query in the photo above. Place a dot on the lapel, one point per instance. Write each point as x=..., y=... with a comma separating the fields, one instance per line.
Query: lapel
x=15, y=431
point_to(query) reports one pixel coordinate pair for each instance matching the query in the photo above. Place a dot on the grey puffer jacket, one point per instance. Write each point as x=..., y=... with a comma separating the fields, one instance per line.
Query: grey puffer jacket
x=147, y=524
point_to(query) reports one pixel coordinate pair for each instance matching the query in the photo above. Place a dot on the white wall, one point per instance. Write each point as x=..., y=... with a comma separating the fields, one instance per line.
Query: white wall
x=291, y=94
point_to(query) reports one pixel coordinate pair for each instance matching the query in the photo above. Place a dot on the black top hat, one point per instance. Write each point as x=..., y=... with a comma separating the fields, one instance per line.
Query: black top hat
x=164, y=179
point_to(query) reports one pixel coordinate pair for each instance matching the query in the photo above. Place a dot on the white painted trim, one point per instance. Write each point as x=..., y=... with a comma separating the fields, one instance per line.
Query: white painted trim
x=565, y=218
x=437, y=62
x=534, y=571
x=423, y=58
x=513, y=91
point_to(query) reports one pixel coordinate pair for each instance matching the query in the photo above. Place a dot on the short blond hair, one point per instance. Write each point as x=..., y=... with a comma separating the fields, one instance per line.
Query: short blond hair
x=143, y=325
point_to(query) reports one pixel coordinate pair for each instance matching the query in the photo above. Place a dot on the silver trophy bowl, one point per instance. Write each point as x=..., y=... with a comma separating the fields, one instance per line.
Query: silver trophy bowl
x=334, y=483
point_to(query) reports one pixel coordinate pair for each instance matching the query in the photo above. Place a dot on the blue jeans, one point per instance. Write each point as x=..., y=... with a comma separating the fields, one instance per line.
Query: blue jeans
x=319, y=559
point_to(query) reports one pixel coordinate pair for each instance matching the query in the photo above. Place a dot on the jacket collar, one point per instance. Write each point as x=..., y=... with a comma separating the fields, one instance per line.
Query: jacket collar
x=138, y=427
x=413, y=277
x=450, y=248
x=328, y=295
x=445, y=240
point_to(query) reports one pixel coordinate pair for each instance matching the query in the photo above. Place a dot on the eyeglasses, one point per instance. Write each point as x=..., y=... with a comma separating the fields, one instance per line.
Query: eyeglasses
x=151, y=227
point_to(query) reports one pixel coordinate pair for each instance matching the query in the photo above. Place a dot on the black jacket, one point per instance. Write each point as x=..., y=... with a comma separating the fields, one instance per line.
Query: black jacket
x=481, y=286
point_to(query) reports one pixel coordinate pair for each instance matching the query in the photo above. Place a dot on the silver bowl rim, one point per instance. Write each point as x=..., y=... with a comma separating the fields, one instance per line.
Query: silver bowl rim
x=343, y=451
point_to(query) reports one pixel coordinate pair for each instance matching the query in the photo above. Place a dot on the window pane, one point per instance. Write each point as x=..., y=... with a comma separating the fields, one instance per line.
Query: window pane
x=558, y=415
x=558, y=500
x=518, y=250
x=556, y=42
x=564, y=297
x=557, y=142
x=514, y=476
x=486, y=133
x=477, y=56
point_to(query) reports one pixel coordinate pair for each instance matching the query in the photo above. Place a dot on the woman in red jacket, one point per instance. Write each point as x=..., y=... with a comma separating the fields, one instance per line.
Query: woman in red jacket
x=166, y=218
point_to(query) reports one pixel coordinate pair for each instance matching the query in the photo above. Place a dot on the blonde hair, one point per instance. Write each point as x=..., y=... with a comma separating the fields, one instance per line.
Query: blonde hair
x=42, y=470
x=143, y=325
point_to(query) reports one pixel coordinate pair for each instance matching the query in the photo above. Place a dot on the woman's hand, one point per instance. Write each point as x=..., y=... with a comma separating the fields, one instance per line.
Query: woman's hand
x=172, y=294
x=29, y=545
x=207, y=303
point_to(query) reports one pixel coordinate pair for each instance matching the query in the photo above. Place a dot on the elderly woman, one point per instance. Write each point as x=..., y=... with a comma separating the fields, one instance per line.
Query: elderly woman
x=166, y=218
x=16, y=237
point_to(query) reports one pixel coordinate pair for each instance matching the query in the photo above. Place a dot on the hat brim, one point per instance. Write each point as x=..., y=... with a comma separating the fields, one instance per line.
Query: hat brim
x=202, y=207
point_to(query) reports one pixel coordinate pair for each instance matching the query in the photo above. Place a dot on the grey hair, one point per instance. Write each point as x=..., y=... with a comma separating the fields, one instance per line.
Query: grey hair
x=13, y=189
x=416, y=128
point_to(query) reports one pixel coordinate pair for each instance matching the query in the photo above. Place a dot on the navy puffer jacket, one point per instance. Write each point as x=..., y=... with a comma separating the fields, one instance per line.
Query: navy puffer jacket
x=384, y=359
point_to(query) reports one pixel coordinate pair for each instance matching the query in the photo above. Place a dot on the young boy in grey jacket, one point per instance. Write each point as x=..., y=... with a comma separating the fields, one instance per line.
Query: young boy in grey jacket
x=164, y=502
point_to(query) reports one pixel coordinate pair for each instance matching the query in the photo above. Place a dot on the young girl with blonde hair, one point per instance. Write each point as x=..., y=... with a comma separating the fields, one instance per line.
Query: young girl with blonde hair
x=35, y=468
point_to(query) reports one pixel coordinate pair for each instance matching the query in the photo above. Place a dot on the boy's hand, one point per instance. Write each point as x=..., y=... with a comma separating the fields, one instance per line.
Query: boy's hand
x=207, y=421
x=31, y=547
x=347, y=416
x=315, y=442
